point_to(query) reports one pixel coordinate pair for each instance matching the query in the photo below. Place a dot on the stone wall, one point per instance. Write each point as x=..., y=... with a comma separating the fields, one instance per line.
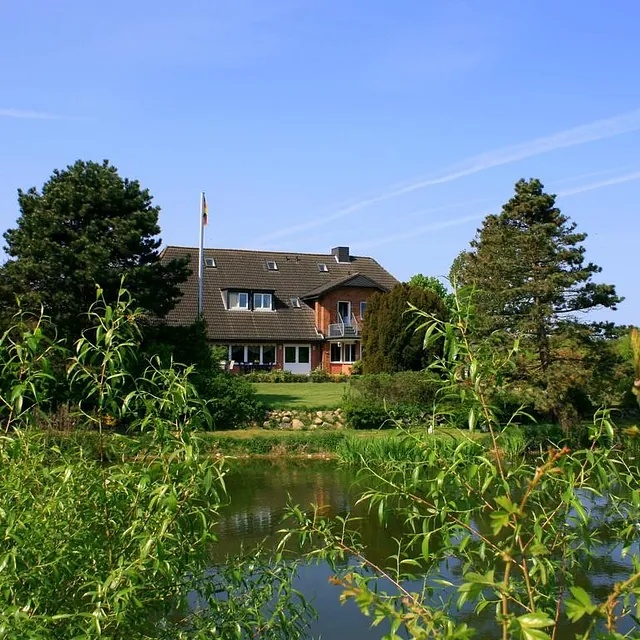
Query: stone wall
x=299, y=420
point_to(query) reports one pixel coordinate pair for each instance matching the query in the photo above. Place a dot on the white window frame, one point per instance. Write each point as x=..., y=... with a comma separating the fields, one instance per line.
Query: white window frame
x=245, y=352
x=330, y=354
x=238, y=294
x=262, y=298
x=348, y=320
x=295, y=303
x=209, y=262
x=323, y=267
x=344, y=350
x=363, y=302
x=342, y=347
x=271, y=262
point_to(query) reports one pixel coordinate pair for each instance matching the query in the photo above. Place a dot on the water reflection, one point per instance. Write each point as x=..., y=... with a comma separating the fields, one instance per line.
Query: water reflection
x=261, y=490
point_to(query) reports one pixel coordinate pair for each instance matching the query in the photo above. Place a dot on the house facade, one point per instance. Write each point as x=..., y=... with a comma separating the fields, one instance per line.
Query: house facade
x=282, y=310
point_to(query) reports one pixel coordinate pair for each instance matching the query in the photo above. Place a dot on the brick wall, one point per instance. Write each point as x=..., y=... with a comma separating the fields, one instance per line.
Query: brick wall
x=327, y=307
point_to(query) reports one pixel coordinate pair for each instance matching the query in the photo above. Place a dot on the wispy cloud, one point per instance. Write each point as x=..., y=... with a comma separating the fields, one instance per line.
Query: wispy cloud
x=597, y=130
x=456, y=222
x=22, y=113
x=629, y=177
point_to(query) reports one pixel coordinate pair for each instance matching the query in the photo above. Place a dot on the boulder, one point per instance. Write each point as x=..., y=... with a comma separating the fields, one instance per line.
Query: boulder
x=286, y=418
x=297, y=424
x=318, y=421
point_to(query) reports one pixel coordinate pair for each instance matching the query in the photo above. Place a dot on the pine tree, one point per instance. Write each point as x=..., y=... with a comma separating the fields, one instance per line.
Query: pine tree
x=527, y=265
x=87, y=225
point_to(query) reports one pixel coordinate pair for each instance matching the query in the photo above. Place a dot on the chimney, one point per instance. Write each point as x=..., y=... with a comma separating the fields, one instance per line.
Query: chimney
x=341, y=254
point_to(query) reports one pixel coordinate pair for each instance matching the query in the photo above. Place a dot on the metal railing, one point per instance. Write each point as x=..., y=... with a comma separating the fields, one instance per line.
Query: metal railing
x=340, y=329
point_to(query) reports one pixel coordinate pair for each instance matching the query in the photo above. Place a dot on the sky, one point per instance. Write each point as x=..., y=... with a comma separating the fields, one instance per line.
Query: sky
x=389, y=127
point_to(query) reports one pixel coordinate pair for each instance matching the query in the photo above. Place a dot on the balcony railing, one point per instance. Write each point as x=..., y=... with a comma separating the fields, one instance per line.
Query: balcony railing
x=341, y=329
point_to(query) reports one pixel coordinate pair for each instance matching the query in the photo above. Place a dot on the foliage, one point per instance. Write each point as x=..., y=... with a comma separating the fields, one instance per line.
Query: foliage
x=403, y=387
x=635, y=348
x=531, y=280
x=431, y=283
x=275, y=443
x=282, y=375
x=87, y=224
x=364, y=414
x=389, y=342
x=231, y=400
x=489, y=533
x=90, y=549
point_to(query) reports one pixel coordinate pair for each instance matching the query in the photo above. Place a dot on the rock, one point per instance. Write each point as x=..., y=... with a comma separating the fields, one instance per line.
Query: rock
x=326, y=425
x=285, y=425
x=319, y=414
x=286, y=418
x=318, y=421
x=297, y=424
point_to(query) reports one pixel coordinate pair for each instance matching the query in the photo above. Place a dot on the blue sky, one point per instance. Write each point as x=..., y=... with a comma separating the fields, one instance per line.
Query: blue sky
x=389, y=127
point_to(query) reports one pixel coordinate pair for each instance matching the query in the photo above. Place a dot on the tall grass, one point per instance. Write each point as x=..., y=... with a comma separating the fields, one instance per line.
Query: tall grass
x=403, y=447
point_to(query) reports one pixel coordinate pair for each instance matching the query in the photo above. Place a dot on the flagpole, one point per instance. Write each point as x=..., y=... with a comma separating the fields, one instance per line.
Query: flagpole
x=201, y=258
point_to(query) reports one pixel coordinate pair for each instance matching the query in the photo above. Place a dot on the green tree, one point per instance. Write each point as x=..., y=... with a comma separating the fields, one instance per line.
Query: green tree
x=88, y=225
x=389, y=340
x=531, y=282
x=431, y=283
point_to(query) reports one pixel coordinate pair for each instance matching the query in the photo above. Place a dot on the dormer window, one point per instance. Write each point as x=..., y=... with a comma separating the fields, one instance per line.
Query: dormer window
x=209, y=262
x=323, y=267
x=262, y=301
x=238, y=300
x=272, y=265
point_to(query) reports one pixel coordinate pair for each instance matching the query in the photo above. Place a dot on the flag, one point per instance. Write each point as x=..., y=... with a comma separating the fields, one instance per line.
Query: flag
x=205, y=211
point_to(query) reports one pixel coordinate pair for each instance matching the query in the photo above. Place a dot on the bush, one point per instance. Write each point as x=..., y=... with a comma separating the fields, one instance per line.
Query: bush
x=405, y=387
x=279, y=375
x=320, y=375
x=231, y=399
x=363, y=414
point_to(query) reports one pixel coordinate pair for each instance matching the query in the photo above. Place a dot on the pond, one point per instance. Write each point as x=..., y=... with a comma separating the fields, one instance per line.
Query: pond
x=259, y=493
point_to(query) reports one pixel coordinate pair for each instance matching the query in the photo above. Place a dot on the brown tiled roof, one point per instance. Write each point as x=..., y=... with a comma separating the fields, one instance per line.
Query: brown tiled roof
x=355, y=280
x=297, y=274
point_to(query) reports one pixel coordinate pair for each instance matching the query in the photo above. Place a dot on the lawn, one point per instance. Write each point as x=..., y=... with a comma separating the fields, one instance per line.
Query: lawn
x=298, y=395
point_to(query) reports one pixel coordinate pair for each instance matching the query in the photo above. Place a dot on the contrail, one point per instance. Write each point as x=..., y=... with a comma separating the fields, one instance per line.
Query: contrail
x=33, y=115
x=591, y=132
x=629, y=177
x=455, y=222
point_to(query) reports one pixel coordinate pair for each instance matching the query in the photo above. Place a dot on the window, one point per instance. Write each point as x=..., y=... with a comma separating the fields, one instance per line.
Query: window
x=262, y=301
x=349, y=352
x=272, y=265
x=253, y=353
x=323, y=267
x=209, y=262
x=295, y=303
x=304, y=355
x=238, y=300
x=268, y=354
x=289, y=355
x=363, y=308
x=345, y=352
x=237, y=352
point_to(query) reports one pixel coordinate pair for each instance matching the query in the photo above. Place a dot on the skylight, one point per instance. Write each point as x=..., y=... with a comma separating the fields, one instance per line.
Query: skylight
x=322, y=267
x=272, y=265
x=295, y=303
x=209, y=262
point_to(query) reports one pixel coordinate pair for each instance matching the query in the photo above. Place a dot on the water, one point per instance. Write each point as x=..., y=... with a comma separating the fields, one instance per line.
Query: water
x=260, y=492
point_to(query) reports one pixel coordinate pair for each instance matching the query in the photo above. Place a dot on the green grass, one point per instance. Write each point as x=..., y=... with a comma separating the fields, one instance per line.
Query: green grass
x=300, y=395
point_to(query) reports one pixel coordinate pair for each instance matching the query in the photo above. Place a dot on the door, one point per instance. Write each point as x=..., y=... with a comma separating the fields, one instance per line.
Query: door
x=344, y=312
x=297, y=358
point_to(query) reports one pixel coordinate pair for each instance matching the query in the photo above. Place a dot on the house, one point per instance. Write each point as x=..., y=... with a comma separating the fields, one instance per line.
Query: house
x=292, y=311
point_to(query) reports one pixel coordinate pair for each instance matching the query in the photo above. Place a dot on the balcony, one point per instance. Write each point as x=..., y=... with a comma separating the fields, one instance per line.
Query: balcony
x=342, y=329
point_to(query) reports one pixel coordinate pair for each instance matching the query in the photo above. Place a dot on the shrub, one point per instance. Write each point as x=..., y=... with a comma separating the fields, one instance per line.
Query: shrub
x=363, y=414
x=405, y=387
x=320, y=375
x=231, y=399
